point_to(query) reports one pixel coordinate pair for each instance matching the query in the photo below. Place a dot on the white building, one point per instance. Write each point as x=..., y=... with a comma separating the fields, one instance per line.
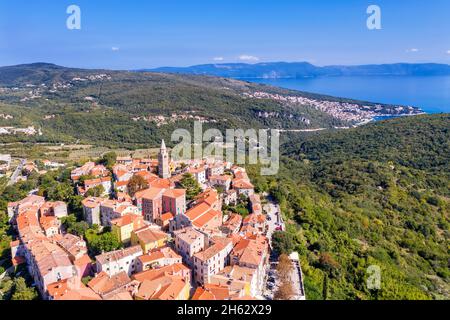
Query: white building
x=118, y=261
x=212, y=260
x=188, y=242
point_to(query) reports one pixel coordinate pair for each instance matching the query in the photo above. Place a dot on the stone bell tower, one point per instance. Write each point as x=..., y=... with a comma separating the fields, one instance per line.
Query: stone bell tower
x=163, y=162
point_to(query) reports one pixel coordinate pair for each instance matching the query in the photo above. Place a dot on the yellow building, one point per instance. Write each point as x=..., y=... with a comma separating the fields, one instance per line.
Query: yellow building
x=149, y=238
x=124, y=226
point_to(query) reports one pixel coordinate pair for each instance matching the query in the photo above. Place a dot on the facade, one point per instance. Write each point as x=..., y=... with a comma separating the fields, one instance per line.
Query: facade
x=158, y=258
x=115, y=262
x=252, y=253
x=215, y=170
x=221, y=181
x=91, y=210
x=125, y=225
x=14, y=208
x=149, y=238
x=232, y=225
x=243, y=187
x=174, y=201
x=57, y=209
x=211, y=260
x=241, y=281
x=151, y=203
x=113, y=209
x=199, y=174
x=188, y=242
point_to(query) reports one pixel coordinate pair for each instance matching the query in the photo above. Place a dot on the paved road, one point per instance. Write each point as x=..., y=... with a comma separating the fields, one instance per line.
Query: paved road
x=275, y=219
x=16, y=173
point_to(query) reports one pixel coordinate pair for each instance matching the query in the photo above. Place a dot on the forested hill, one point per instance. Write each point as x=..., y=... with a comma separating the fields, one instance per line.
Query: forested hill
x=378, y=195
x=113, y=108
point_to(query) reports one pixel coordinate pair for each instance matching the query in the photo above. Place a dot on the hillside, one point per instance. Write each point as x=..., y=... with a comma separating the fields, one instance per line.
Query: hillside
x=305, y=69
x=376, y=195
x=111, y=108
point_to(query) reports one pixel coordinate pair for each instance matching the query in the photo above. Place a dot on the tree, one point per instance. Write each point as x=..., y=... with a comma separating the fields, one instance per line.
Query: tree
x=103, y=242
x=283, y=242
x=328, y=264
x=96, y=191
x=72, y=226
x=285, y=291
x=108, y=160
x=136, y=184
x=22, y=291
x=59, y=192
x=284, y=268
x=191, y=185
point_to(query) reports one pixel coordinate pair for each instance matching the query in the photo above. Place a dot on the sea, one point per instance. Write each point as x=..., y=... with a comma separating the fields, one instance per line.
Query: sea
x=429, y=93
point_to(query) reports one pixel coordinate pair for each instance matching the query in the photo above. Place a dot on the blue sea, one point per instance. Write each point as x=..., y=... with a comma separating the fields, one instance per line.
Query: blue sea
x=429, y=93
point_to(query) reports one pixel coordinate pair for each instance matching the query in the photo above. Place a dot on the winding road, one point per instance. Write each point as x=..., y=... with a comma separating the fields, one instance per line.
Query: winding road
x=16, y=173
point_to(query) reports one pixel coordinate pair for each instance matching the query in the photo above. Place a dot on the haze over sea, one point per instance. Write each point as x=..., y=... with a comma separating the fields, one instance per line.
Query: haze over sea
x=430, y=93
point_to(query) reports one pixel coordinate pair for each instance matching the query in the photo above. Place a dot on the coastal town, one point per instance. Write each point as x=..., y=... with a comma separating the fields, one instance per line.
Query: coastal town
x=176, y=243
x=346, y=111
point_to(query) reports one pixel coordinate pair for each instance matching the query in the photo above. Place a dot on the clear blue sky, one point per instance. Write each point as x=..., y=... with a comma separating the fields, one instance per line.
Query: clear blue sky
x=151, y=33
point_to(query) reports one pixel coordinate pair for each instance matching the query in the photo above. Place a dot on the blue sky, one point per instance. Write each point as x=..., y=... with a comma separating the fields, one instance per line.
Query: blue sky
x=143, y=34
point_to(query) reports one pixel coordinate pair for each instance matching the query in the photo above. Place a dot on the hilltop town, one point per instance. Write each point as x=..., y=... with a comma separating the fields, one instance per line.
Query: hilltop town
x=175, y=243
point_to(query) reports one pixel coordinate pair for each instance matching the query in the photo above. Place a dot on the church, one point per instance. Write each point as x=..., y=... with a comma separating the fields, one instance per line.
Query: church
x=163, y=162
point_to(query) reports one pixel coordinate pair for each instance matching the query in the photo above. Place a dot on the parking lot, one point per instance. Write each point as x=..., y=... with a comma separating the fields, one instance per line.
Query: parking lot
x=273, y=282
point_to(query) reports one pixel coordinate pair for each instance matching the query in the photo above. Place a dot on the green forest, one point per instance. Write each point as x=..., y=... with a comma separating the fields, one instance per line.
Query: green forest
x=378, y=195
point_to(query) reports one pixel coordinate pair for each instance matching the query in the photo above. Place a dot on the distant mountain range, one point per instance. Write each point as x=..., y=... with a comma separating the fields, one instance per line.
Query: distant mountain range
x=305, y=69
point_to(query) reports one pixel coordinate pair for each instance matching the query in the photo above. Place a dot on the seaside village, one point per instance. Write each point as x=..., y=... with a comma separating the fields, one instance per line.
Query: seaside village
x=173, y=249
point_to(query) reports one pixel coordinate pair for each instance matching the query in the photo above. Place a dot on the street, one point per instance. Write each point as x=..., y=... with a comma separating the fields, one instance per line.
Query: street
x=16, y=172
x=274, y=218
x=275, y=222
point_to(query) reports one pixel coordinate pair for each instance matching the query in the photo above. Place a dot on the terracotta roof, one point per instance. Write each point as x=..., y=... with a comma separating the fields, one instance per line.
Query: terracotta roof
x=167, y=216
x=213, y=250
x=197, y=211
x=149, y=234
x=121, y=183
x=205, y=218
x=92, y=202
x=164, y=288
x=189, y=235
x=136, y=220
x=175, y=193
x=84, y=260
x=251, y=251
x=161, y=253
x=48, y=222
x=62, y=291
x=202, y=294
x=220, y=178
x=242, y=184
x=151, y=193
x=174, y=269
x=212, y=292
x=103, y=284
x=118, y=254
